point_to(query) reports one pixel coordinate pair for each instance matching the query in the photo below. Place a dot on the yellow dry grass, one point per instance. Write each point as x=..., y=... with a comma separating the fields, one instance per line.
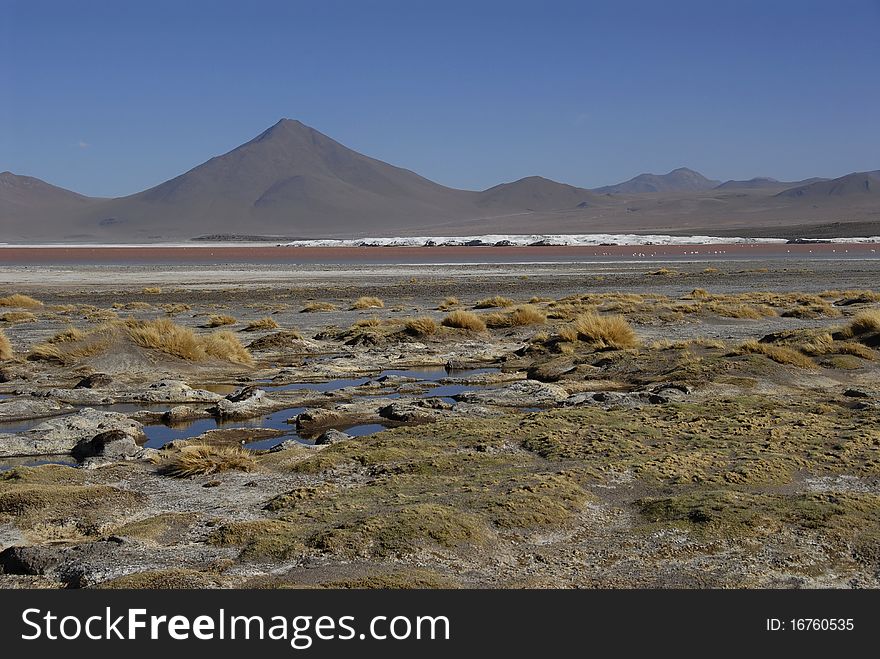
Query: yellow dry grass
x=523, y=315
x=201, y=460
x=18, y=317
x=448, y=303
x=494, y=301
x=366, y=302
x=372, y=321
x=5, y=347
x=318, y=306
x=165, y=336
x=601, y=331
x=746, y=311
x=220, y=320
x=421, y=326
x=779, y=354
x=20, y=301
x=865, y=323
x=460, y=319
x=151, y=290
x=265, y=323
x=173, y=308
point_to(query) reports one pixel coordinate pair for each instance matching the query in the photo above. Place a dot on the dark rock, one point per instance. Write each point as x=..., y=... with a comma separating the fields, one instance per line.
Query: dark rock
x=433, y=403
x=551, y=371
x=315, y=418
x=277, y=341
x=456, y=365
x=113, y=444
x=856, y=393
x=406, y=413
x=243, y=394
x=94, y=381
x=28, y=560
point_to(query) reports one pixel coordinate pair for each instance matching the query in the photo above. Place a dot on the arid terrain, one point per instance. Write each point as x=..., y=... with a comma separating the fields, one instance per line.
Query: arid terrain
x=622, y=424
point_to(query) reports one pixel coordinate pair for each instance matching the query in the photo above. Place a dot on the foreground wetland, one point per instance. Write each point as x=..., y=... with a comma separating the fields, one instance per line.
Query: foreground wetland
x=686, y=424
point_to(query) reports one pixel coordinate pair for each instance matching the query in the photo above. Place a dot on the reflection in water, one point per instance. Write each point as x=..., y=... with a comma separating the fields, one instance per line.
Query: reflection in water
x=33, y=461
x=160, y=434
x=364, y=429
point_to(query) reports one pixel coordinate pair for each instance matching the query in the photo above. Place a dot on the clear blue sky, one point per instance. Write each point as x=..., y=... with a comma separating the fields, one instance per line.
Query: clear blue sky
x=111, y=97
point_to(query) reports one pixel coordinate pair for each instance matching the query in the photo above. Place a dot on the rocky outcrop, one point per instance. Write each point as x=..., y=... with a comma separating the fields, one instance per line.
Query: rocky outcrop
x=62, y=434
x=332, y=437
x=94, y=381
x=245, y=403
x=31, y=408
x=551, y=371
x=424, y=410
x=111, y=445
x=176, y=391
x=526, y=393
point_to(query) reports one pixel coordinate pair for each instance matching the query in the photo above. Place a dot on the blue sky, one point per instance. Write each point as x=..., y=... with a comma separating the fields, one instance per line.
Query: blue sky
x=109, y=98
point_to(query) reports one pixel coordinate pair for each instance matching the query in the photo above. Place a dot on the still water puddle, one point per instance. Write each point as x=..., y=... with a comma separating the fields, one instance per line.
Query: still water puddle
x=159, y=434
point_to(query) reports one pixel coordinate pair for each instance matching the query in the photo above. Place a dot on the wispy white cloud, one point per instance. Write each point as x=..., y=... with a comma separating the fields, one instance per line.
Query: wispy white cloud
x=82, y=145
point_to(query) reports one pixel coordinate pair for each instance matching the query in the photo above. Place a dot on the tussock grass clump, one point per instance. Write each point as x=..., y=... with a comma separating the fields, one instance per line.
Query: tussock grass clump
x=260, y=324
x=165, y=336
x=664, y=272
x=173, y=308
x=67, y=335
x=151, y=290
x=493, y=302
x=220, y=321
x=226, y=346
x=601, y=331
x=312, y=307
x=448, y=303
x=20, y=301
x=367, y=322
x=18, y=317
x=366, y=302
x=853, y=297
x=779, y=354
x=5, y=347
x=460, y=319
x=746, y=311
x=421, y=326
x=64, y=349
x=865, y=323
x=812, y=308
x=101, y=316
x=525, y=314
x=699, y=294
x=855, y=349
x=201, y=460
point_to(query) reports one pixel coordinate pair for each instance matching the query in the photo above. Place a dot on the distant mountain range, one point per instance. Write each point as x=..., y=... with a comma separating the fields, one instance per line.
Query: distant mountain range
x=678, y=180
x=293, y=181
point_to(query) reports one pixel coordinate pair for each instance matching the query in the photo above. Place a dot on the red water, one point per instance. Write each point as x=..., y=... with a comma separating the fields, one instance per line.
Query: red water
x=204, y=255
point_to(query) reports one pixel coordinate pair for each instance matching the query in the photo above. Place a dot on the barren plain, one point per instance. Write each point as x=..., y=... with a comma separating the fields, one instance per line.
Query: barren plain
x=694, y=423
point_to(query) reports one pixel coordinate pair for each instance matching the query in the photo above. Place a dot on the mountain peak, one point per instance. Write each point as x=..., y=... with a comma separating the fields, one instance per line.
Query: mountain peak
x=682, y=179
